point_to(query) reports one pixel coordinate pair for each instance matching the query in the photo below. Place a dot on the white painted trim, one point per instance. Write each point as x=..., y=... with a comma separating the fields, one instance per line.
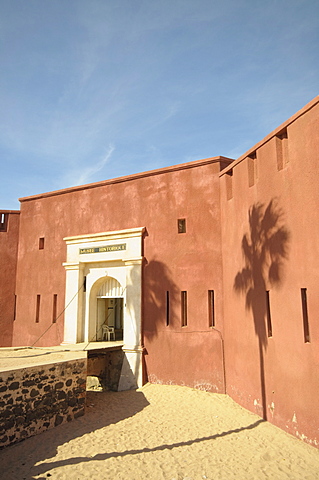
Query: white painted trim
x=81, y=308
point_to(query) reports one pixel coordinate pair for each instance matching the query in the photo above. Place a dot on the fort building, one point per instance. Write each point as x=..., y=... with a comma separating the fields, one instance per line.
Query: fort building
x=204, y=274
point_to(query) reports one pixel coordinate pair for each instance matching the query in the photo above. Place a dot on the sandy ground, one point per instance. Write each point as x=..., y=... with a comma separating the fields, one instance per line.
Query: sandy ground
x=161, y=432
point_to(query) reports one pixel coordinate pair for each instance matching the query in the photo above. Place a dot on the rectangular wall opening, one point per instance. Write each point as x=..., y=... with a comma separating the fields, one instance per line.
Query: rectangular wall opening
x=37, y=312
x=167, y=308
x=184, y=308
x=181, y=225
x=211, y=308
x=54, y=308
x=15, y=308
x=41, y=243
x=305, y=315
x=268, y=315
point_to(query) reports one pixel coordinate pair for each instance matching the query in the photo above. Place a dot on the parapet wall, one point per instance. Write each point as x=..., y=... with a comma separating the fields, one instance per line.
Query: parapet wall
x=36, y=398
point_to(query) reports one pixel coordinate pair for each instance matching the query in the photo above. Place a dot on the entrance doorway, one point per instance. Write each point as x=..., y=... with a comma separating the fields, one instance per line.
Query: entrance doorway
x=109, y=264
x=109, y=322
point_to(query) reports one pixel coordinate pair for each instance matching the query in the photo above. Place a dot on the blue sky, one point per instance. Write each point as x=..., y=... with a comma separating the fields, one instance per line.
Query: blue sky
x=96, y=89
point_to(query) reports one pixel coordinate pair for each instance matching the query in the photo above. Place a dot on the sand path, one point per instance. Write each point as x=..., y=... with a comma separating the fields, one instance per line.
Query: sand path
x=161, y=432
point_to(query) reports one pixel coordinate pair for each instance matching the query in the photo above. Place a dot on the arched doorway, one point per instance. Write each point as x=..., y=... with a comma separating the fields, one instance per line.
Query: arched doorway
x=101, y=267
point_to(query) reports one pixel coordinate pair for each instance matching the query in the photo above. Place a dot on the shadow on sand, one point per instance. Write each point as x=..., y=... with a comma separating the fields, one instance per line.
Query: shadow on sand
x=103, y=409
x=104, y=456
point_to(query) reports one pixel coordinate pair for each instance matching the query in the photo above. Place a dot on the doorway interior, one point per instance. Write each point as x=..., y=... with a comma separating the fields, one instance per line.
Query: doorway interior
x=109, y=318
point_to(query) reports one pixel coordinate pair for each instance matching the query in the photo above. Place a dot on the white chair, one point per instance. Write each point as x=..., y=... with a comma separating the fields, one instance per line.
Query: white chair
x=107, y=332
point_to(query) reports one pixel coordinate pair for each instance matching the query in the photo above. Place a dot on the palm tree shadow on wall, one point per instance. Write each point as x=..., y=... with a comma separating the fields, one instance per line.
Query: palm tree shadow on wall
x=265, y=250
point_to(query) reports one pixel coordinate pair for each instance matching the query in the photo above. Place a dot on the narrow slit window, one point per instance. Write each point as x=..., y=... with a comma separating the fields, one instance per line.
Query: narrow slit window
x=54, y=307
x=167, y=308
x=15, y=308
x=37, y=312
x=268, y=315
x=184, y=308
x=41, y=243
x=181, y=225
x=305, y=315
x=211, y=308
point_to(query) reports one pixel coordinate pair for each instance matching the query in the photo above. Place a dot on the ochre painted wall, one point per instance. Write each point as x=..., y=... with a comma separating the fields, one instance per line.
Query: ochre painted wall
x=8, y=249
x=252, y=237
x=270, y=243
x=191, y=261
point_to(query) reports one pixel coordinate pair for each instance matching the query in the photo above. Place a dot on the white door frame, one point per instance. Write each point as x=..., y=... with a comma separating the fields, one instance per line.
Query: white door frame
x=91, y=258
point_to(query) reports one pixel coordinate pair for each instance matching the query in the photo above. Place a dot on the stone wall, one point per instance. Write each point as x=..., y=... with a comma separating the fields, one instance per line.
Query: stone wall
x=37, y=398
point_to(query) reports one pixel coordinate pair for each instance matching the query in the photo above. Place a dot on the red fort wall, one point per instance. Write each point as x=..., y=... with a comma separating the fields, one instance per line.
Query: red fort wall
x=9, y=235
x=250, y=250
x=174, y=262
x=270, y=222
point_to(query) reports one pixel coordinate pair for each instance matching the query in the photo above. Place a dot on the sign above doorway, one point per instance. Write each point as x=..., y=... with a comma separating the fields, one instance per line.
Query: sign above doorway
x=106, y=248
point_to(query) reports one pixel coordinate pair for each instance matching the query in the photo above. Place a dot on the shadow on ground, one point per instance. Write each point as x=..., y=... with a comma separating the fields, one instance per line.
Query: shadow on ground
x=104, y=456
x=101, y=411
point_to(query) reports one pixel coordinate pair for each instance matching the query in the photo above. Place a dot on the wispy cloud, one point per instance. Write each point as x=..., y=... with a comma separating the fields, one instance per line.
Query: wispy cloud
x=81, y=176
x=164, y=82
